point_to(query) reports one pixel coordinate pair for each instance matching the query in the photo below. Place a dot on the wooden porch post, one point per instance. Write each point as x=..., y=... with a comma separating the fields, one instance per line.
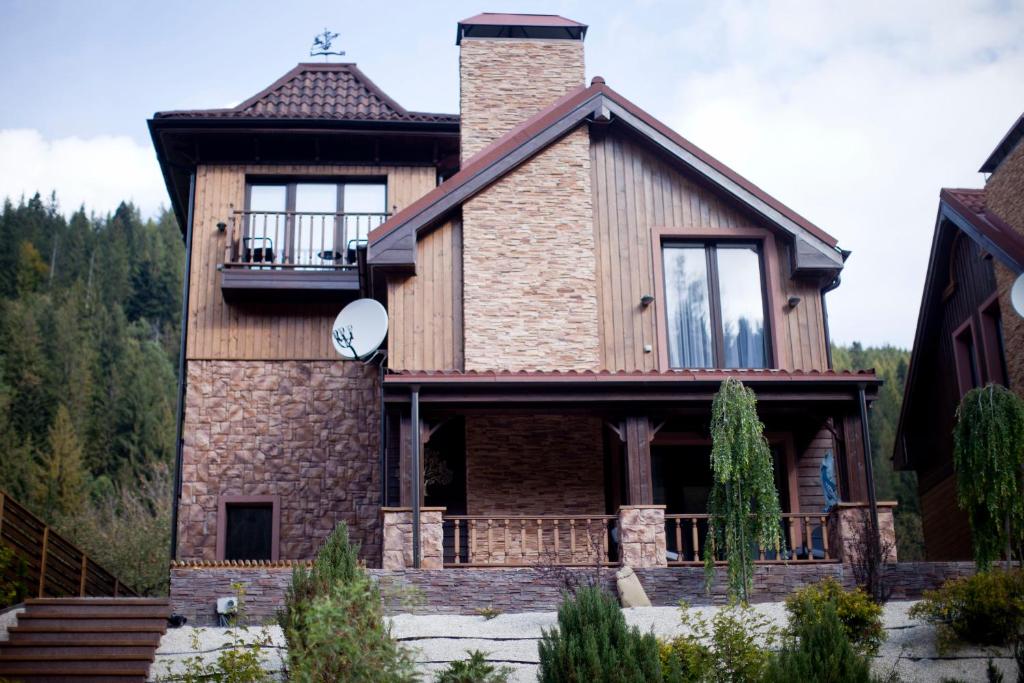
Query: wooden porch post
x=637, y=435
x=417, y=474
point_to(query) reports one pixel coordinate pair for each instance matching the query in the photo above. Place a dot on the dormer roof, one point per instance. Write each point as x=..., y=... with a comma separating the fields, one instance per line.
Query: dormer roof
x=328, y=91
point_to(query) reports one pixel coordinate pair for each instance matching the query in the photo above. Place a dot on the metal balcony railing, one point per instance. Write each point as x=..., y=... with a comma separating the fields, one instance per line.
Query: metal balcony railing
x=297, y=240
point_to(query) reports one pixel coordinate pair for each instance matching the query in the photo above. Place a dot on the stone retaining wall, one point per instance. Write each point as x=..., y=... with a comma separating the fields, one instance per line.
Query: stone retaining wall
x=194, y=589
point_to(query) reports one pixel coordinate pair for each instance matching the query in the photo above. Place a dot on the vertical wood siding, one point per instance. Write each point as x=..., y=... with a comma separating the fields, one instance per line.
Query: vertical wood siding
x=634, y=192
x=297, y=331
x=425, y=331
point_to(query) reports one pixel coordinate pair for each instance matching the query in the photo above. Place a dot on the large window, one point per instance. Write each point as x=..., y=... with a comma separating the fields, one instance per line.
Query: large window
x=310, y=223
x=714, y=301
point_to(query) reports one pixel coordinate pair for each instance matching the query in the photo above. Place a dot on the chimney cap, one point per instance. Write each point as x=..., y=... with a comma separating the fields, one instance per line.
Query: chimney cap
x=538, y=26
x=597, y=80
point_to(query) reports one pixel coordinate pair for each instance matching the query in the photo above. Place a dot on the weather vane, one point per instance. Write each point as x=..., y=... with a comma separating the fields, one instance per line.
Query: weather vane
x=322, y=45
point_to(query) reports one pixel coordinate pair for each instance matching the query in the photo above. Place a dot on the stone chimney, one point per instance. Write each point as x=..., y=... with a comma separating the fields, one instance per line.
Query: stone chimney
x=511, y=66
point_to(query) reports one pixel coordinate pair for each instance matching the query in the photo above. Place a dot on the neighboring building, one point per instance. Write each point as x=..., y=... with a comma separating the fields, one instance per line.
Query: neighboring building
x=568, y=282
x=968, y=334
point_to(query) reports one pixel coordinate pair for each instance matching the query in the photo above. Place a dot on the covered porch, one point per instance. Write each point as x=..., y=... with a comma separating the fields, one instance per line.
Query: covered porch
x=584, y=469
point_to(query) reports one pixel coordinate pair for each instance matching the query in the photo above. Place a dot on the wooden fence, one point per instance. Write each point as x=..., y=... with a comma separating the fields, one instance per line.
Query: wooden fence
x=51, y=566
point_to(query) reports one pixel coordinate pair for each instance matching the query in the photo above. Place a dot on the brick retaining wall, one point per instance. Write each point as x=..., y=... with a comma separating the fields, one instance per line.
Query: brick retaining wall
x=463, y=591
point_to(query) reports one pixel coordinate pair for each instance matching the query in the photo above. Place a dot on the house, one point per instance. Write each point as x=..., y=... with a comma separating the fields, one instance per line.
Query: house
x=968, y=334
x=568, y=282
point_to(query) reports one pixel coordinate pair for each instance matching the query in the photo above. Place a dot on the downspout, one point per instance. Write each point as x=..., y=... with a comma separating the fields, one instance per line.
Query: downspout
x=869, y=472
x=415, y=454
x=383, y=437
x=833, y=283
x=180, y=418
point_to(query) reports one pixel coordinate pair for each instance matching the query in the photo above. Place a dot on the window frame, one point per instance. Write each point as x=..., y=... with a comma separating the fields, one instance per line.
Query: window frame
x=273, y=501
x=291, y=182
x=764, y=244
x=967, y=360
x=993, y=341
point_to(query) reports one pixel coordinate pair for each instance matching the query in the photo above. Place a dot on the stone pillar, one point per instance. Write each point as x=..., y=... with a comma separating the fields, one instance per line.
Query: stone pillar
x=398, y=538
x=642, y=536
x=848, y=523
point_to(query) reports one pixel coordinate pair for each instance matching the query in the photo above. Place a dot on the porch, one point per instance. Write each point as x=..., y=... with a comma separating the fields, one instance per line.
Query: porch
x=603, y=469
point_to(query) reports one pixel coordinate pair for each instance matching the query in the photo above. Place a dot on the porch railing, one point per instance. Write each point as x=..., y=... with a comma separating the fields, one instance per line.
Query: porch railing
x=806, y=538
x=297, y=239
x=512, y=541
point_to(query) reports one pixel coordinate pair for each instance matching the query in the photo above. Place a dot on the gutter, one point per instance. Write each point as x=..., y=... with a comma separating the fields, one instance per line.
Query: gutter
x=182, y=379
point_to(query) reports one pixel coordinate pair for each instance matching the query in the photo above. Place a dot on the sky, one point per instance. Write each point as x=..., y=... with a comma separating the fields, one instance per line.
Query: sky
x=852, y=113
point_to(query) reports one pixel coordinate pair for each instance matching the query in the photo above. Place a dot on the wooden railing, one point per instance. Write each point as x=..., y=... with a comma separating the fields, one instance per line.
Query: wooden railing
x=53, y=567
x=511, y=541
x=805, y=535
x=297, y=239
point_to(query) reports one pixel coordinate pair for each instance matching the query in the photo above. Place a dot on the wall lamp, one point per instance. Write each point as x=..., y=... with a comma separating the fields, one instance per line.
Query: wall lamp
x=793, y=301
x=646, y=300
x=222, y=226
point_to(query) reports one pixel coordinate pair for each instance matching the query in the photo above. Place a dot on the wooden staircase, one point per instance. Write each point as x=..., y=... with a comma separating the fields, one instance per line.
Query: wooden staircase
x=84, y=640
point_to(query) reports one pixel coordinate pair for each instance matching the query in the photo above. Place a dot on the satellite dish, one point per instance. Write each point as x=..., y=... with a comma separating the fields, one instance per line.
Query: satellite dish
x=359, y=329
x=1017, y=295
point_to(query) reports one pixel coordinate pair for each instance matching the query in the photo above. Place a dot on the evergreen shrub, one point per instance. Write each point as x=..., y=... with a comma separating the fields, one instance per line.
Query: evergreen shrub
x=819, y=650
x=860, y=616
x=474, y=669
x=593, y=643
x=984, y=609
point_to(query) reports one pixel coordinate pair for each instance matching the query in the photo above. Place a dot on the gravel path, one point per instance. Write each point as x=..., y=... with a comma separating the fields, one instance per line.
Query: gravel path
x=511, y=640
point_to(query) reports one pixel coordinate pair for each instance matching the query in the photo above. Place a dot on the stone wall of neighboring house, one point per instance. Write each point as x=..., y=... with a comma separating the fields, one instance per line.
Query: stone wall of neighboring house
x=304, y=431
x=194, y=590
x=504, y=81
x=530, y=284
x=534, y=465
x=1004, y=194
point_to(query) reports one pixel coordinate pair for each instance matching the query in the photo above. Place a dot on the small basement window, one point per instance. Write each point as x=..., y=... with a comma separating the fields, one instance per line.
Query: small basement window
x=248, y=528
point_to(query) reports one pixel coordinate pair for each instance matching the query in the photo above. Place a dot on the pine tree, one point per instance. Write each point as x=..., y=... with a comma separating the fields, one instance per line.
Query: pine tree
x=60, y=486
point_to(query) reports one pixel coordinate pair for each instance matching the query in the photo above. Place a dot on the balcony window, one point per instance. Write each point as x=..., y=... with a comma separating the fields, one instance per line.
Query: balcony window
x=714, y=300
x=309, y=225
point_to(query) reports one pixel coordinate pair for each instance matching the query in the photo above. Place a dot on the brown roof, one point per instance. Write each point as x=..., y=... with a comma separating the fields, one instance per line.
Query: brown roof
x=1005, y=146
x=970, y=204
x=336, y=92
x=492, y=163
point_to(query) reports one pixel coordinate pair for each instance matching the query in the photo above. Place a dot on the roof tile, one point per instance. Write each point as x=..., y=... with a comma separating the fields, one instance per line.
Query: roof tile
x=335, y=92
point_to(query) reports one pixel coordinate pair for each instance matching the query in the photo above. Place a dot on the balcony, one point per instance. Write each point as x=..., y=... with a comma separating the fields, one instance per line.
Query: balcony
x=276, y=255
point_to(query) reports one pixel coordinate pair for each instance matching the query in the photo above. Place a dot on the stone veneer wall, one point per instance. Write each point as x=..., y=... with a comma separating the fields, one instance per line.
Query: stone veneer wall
x=1004, y=194
x=504, y=81
x=463, y=591
x=306, y=431
x=534, y=465
x=529, y=267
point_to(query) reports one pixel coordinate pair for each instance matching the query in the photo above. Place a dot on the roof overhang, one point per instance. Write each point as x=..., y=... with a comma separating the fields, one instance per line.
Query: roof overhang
x=1005, y=146
x=393, y=243
x=668, y=387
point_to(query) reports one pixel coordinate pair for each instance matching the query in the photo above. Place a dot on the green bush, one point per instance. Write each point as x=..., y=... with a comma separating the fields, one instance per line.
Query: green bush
x=984, y=609
x=336, y=562
x=13, y=578
x=333, y=622
x=860, y=616
x=734, y=646
x=346, y=639
x=818, y=650
x=592, y=643
x=474, y=669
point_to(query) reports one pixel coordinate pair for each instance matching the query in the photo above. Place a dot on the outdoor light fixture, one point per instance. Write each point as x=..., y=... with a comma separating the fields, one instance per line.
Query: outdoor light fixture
x=222, y=226
x=793, y=301
x=646, y=300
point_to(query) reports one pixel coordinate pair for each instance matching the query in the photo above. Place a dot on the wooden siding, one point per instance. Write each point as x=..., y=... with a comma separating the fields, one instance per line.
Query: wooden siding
x=425, y=310
x=635, y=192
x=296, y=331
x=947, y=532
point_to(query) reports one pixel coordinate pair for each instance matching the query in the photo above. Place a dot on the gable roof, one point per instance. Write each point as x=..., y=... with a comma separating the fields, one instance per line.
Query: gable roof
x=393, y=243
x=964, y=210
x=329, y=91
x=1005, y=146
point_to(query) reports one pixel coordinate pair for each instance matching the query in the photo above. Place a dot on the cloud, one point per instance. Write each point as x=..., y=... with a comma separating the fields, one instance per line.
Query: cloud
x=99, y=172
x=854, y=115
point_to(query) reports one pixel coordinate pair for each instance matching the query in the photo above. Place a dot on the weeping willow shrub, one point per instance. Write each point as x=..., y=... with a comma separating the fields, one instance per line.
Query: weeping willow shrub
x=743, y=507
x=988, y=451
